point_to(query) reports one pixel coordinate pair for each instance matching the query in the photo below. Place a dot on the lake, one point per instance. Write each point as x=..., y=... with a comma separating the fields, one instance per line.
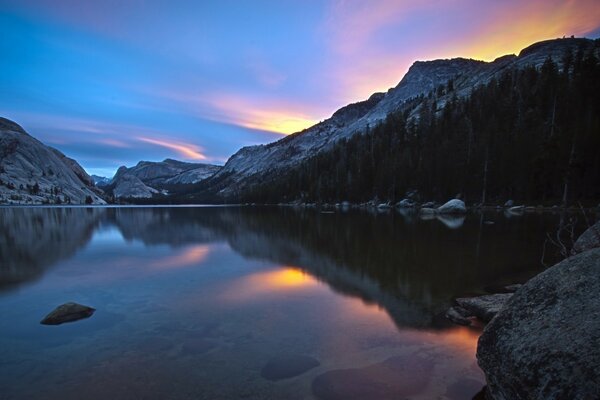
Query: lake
x=251, y=302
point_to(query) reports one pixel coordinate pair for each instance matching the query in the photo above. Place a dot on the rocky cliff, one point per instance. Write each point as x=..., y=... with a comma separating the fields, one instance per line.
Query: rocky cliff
x=33, y=173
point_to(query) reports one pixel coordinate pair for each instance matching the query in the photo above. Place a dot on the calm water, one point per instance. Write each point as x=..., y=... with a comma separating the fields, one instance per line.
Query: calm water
x=192, y=303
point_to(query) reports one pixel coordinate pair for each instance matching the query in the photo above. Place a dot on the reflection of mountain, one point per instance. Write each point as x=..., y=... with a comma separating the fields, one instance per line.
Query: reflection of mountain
x=32, y=239
x=410, y=268
x=173, y=226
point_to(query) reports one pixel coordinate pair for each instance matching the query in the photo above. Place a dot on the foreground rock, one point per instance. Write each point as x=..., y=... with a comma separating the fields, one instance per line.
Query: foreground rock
x=590, y=239
x=68, y=312
x=288, y=366
x=545, y=344
x=454, y=206
x=484, y=307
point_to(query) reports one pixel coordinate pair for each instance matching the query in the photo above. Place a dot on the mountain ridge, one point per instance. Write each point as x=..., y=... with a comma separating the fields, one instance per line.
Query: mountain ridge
x=422, y=78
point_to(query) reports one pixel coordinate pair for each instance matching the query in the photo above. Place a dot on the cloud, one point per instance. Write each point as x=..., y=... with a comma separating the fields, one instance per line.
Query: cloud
x=186, y=150
x=252, y=112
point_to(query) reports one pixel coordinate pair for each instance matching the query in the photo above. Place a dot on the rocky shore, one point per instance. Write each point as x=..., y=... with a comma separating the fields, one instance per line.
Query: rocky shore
x=543, y=341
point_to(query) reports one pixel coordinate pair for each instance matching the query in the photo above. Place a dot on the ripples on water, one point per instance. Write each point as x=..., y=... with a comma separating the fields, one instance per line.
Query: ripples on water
x=192, y=303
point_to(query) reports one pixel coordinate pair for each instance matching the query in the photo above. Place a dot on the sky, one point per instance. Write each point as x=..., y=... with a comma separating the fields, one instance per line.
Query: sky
x=113, y=82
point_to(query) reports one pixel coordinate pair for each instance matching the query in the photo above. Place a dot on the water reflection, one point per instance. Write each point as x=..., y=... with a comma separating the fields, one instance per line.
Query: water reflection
x=198, y=300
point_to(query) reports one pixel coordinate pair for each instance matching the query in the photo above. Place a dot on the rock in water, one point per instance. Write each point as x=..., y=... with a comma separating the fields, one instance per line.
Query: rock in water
x=288, y=366
x=68, y=312
x=590, y=239
x=484, y=307
x=459, y=315
x=454, y=206
x=397, y=377
x=545, y=343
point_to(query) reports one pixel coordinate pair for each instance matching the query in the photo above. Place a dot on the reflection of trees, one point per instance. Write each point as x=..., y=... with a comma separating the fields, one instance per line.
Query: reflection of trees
x=409, y=267
x=32, y=239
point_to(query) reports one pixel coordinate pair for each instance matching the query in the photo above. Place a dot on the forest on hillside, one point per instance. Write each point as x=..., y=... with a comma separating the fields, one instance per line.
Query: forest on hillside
x=529, y=135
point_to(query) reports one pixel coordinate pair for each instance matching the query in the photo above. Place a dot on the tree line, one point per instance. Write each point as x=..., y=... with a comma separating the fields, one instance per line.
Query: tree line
x=530, y=134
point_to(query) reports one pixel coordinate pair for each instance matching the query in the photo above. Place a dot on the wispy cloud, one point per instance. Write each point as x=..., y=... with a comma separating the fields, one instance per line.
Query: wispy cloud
x=186, y=150
x=252, y=112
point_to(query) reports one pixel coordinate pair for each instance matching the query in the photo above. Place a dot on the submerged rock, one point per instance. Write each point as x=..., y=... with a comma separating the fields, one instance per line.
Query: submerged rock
x=68, y=312
x=545, y=344
x=484, y=307
x=288, y=366
x=454, y=206
x=394, y=378
x=590, y=239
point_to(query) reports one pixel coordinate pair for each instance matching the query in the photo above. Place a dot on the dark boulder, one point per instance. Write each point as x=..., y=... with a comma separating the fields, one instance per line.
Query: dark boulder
x=590, y=239
x=68, y=312
x=484, y=307
x=545, y=343
x=459, y=315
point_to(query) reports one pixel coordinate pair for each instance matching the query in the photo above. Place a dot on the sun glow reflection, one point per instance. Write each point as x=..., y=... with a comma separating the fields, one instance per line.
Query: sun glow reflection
x=281, y=280
x=190, y=256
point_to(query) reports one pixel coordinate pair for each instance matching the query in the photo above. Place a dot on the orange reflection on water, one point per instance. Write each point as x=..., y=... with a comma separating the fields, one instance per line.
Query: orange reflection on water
x=284, y=279
x=189, y=256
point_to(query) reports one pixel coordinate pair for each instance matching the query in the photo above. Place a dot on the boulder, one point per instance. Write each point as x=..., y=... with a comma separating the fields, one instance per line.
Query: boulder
x=405, y=203
x=427, y=211
x=68, y=312
x=454, y=206
x=545, y=343
x=590, y=239
x=459, y=315
x=429, y=204
x=484, y=307
x=509, y=204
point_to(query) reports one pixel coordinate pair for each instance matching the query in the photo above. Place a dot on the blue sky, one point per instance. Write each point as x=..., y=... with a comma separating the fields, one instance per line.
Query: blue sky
x=110, y=82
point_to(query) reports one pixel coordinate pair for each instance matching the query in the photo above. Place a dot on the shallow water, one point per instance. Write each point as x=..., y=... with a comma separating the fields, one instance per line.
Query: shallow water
x=193, y=303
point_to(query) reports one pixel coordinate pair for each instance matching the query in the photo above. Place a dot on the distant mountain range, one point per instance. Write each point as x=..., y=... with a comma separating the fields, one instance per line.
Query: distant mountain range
x=439, y=125
x=148, y=178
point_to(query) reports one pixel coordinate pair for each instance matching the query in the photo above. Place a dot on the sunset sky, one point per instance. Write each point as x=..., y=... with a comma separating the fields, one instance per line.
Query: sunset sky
x=113, y=82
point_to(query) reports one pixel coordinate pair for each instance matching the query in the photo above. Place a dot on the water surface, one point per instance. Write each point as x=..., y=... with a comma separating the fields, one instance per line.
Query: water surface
x=193, y=303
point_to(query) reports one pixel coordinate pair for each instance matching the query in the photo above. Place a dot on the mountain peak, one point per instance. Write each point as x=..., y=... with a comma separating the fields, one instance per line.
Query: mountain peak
x=8, y=125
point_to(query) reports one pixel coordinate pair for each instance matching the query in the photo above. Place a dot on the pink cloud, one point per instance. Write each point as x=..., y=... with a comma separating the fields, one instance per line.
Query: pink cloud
x=186, y=150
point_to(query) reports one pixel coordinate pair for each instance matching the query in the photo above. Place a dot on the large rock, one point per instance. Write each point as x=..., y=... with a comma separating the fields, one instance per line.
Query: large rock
x=68, y=312
x=454, y=206
x=590, y=239
x=545, y=343
x=484, y=307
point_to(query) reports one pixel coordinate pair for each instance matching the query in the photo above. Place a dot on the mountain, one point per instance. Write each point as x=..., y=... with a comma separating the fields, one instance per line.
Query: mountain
x=33, y=173
x=148, y=178
x=426, y=88
x=100, y=180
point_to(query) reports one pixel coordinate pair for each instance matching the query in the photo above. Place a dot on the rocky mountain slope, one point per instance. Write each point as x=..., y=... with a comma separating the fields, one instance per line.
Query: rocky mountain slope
x=422, y=78
x=148, y=178
x=33, y=173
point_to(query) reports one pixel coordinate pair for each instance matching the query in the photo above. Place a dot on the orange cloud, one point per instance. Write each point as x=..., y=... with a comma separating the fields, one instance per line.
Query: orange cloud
x=277, y=115
x=512, y=29
x=377, y=41
x=187, y=150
